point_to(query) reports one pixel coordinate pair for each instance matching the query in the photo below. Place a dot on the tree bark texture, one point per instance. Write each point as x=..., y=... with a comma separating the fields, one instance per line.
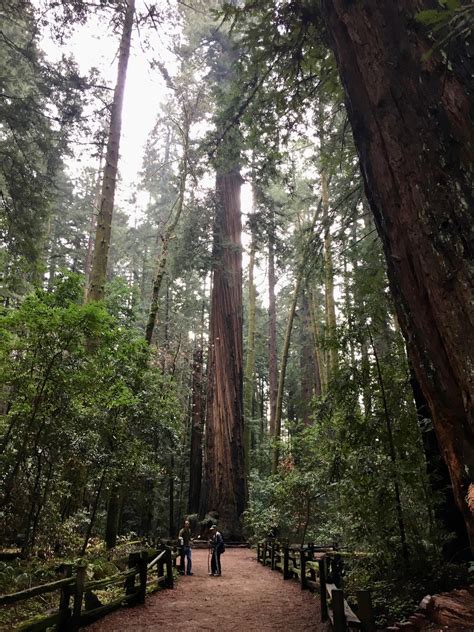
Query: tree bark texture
x=104, y=219
x=412, y=130
x=197, y=424
x=224, y=487
x=446, y=511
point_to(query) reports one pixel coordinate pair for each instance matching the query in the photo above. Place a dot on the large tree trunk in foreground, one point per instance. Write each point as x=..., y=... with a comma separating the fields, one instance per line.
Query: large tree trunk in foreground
x=224, y=455
x=104, y=219
x=412, y=131
x=446, y=511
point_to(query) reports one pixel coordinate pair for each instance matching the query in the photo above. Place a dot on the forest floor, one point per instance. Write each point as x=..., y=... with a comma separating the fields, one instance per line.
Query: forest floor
x=246, y=597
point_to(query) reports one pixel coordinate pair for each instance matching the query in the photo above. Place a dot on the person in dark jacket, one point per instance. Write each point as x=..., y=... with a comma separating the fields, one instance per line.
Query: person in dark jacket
x=185, y=543
x=217, y=546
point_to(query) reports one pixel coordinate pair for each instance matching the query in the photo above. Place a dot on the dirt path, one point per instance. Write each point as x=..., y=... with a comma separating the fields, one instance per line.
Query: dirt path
x=247, y=597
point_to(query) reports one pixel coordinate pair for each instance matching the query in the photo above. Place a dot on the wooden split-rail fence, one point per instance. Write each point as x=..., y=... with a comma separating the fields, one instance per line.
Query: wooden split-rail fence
x=75, y=591
x=319, y=568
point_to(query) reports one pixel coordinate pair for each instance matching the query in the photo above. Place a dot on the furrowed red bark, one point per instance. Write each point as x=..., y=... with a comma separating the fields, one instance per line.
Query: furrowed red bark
x=224, y=484
x=414, y=137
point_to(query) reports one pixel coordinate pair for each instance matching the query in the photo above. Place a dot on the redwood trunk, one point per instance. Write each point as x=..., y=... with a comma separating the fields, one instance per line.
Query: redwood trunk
x=224, y=456
x=104, y=219
x=412, y=131
x=446, y=511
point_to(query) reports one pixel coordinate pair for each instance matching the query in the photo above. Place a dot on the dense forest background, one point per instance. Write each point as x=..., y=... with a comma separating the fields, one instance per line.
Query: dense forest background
x=162, y=355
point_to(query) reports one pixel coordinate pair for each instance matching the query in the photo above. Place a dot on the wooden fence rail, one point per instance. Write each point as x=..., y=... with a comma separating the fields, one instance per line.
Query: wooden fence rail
x=319, y=567
x=75, y=587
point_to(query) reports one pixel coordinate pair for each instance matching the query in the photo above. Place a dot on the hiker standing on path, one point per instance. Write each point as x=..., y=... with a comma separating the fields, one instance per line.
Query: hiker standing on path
x=217, y=545
x=185, y=541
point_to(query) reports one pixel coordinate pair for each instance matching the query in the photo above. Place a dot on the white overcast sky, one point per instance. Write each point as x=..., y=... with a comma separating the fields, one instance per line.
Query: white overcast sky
x=92, y=46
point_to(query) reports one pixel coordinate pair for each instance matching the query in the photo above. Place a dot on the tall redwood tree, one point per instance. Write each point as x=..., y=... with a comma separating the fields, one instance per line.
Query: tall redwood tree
x=224, y=478
x=415, y=141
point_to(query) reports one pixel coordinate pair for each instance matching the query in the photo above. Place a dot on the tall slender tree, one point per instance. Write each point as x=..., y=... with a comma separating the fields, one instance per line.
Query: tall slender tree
x=104, y=220
x=272, y=326
x=250, y=357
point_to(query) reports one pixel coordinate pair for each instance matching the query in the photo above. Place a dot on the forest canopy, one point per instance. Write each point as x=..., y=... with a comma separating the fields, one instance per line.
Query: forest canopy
x=236, y=279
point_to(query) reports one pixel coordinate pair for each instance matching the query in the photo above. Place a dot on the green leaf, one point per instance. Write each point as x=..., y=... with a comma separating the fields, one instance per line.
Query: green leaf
x=431, y=17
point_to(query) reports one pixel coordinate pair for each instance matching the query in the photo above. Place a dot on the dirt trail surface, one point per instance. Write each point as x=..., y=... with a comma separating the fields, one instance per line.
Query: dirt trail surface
x=246, y=598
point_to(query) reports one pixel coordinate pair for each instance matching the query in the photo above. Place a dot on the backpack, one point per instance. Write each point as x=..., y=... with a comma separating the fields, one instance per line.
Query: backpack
x=221, y=545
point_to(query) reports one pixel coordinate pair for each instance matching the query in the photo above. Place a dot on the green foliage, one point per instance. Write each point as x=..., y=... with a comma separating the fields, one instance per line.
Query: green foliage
x=39, y=110
x=397, y=593
x=453, y=20
x=76, y=421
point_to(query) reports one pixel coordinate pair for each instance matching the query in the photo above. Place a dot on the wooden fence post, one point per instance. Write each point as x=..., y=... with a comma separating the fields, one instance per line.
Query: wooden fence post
x=272, y=556
x=286, y=562
x=78, y=595
x=160, y=570
x=365, y=611
x=303, y=568
x=337, y=570
x=258, y=552
x=169, y=568
x=142, y=572
x=322, y=589
x=174, y=549
x=338, y=610
x=64, y=600
x=133, y=560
